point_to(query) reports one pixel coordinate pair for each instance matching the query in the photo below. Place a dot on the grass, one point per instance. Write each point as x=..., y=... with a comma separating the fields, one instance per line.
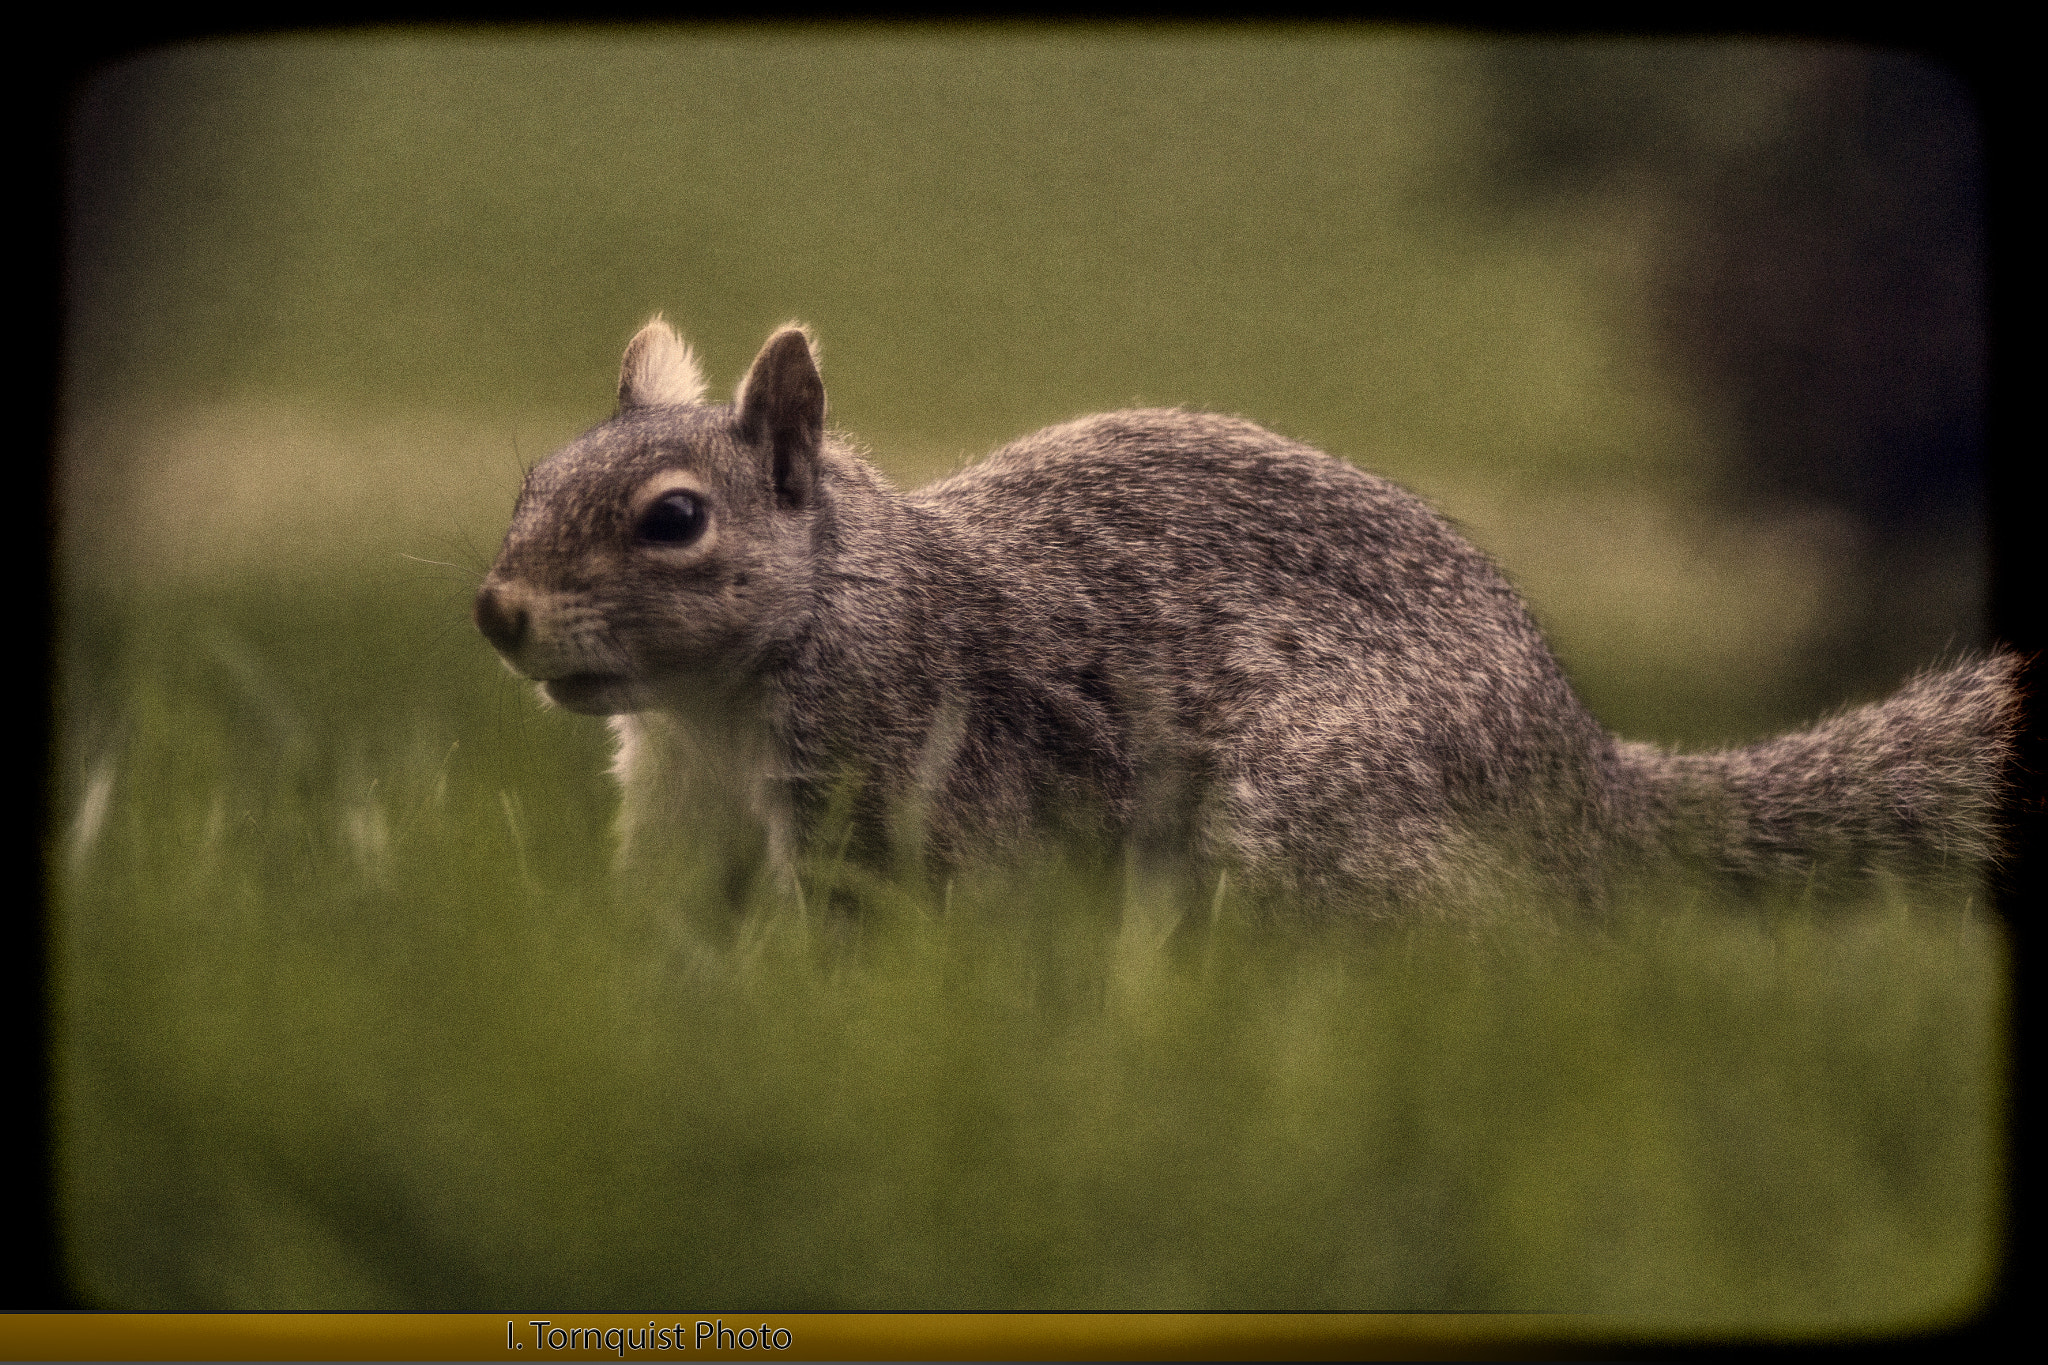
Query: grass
x=351, y=1016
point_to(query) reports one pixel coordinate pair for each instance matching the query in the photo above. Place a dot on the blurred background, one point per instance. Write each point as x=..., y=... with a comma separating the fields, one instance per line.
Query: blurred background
x=1689, y=335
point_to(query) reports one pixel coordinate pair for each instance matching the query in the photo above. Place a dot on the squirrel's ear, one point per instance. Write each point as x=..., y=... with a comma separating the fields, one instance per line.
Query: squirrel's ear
x=659, y=369
x=781, y=403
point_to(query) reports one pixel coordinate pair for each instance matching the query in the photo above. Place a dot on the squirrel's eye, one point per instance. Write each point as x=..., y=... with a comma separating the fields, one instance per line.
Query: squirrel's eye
x=674, y=519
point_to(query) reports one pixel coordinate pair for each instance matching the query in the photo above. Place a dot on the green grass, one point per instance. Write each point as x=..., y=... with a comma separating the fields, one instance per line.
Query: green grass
x=351, y=1016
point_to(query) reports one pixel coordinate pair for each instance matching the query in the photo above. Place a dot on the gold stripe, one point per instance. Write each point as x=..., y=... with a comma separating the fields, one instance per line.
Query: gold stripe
x=809, y=1336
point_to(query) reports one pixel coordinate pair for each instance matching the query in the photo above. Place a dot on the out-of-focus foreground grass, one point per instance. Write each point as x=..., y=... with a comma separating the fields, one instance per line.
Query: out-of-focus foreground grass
x=353, y=1018
x=349, y=1012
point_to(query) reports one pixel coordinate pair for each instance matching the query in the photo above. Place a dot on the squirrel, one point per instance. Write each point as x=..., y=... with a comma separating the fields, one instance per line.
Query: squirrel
x=1174, y=629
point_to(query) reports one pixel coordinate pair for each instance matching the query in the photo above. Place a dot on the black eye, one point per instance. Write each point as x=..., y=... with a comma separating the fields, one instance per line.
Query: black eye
x=674, y=519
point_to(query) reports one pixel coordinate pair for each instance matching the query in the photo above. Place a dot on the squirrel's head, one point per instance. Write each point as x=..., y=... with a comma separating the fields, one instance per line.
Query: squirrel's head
x=669, y=549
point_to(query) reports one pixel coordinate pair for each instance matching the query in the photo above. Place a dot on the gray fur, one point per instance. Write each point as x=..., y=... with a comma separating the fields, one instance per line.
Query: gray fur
x=1173, y=629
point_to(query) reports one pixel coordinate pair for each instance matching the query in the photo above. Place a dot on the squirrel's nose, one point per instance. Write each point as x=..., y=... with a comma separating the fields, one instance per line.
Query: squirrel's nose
x=502, y=623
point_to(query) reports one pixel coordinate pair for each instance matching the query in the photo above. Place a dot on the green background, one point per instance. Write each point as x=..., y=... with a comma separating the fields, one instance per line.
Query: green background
x=1688, y=335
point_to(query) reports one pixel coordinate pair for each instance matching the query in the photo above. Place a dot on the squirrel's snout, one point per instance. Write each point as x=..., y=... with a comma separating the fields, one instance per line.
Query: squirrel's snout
x=502, y=623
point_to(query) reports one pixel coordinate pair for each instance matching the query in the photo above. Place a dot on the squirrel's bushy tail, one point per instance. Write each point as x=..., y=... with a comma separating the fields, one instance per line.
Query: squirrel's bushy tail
x=1912, y=784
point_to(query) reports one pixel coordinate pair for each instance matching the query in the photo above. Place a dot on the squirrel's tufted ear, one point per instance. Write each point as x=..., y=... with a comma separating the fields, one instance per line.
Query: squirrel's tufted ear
x=659, y=369
x=781, y=404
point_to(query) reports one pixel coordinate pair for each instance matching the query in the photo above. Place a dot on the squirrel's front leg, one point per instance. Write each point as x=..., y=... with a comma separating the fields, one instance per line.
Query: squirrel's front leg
x=700, y=821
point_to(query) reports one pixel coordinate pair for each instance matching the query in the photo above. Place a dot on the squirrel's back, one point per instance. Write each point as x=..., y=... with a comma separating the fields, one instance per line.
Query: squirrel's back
x=1364, y=699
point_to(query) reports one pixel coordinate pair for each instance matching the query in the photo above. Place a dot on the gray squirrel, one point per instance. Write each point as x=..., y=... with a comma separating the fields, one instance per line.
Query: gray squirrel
x=1173, y=630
